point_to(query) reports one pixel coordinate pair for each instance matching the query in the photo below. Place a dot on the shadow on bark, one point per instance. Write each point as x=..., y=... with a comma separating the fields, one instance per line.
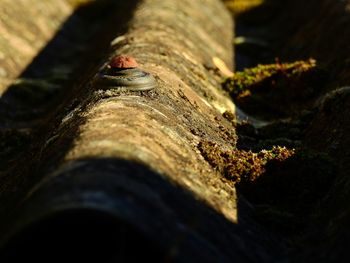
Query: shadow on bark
x=98, y=209
x=114, y=209
x=49, y=89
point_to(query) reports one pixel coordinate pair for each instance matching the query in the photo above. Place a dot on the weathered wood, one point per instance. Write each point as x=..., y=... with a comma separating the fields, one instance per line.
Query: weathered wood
x=167, y=124
x=134, y=154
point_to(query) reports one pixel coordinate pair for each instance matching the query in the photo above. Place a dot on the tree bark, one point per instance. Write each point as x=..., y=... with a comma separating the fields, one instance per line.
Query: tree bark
x=134, y=155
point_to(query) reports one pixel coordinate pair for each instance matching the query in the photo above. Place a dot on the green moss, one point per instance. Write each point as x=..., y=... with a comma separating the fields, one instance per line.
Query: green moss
x=288, y=195
x=285, y=186
x=290, y=178
x=295, y=184
x=239, y=165
x=276, y=90
x=244, y=81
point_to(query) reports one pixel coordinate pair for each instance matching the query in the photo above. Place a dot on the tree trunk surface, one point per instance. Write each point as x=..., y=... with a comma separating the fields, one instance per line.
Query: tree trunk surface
x=117, y=174
x=133, y=155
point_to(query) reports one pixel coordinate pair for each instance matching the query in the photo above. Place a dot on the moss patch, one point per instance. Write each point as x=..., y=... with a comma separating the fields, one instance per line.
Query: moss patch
x=280, y=89
x=294, y=184
x=244, y=81
x=240, y=165
x=288, y=196
x=286, y=186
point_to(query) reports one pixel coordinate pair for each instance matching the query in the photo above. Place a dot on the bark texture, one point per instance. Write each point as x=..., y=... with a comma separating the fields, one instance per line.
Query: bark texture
x=134, y=154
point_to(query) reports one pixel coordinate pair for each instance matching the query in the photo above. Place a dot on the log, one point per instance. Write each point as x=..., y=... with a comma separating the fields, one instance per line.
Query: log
x=120, y=170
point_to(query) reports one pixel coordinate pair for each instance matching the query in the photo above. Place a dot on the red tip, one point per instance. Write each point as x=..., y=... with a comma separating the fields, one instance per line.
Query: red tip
x=123, y=61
